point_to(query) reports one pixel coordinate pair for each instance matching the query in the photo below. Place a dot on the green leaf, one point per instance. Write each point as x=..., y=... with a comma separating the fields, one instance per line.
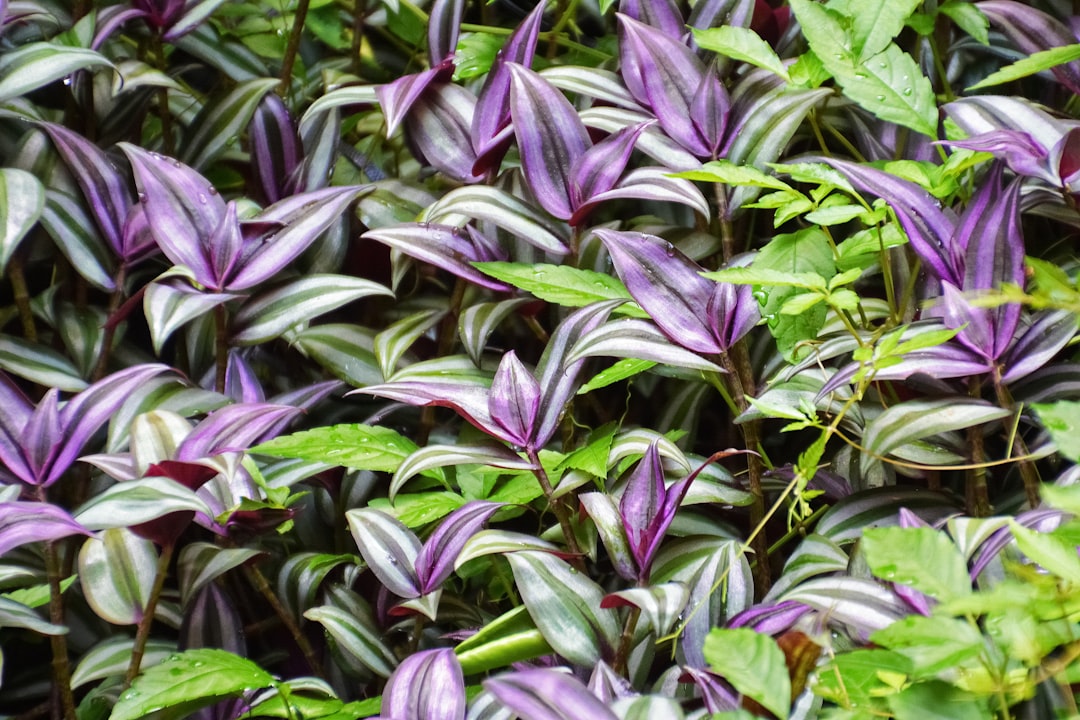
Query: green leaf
x=933, y=644
x=825, y=33
x=892, y=86
x=38, y=64
x=269, y=314
x=969, y=18
x=1030, y=65
x=766, y=277
x=1048, y=550
x=16, y=615
x=358, y=635
x=39, y=364
x=202, y=562
x=1062, y=420
x=509, y=638
x=742, y=44
x=907, y=422
x=116, y=571
x=561, y=284
x=38, y=595
x=475, y=54
x=874, y=23
x=754, y=664
x=923, y=558
x=111, y=657
x=187, y=682
x=347, y=351
x=858, y=677
x=22, y=198
x=392, y=342
x=218, y=125
x=565, y=605
x=938, y=700
x=621, y=370
x=360, y=447
x=726, y=172
x=592, y=457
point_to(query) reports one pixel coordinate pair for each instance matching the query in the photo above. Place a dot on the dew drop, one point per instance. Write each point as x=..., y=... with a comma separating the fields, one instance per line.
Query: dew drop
x=907, y=91
x=130, y=695
x=883, y=65
x=670, y=250
x=67, y=80
x=881, y=98
x=143, y=198
x=212, y=190
x=197, y=663
x=232, y=140
x=203, y=199
x=391, y=559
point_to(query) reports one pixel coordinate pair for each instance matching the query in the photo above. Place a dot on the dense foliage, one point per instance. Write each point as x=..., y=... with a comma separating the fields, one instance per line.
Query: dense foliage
x=618, y=360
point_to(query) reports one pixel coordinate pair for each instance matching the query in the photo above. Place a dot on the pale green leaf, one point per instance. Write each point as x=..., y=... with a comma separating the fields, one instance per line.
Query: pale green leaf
x=111, y=657
x=218, y=125
x=742, y=44
x=1030, y=65
x=922, y=558
x=561, y=284
x=621, y=370
x=38, y=64
x=754, y=664
x=360, y=447
x=729, y=173
x=116, y=571
x=22, y=198
x=892, y=86
x=1062, y=421
x=968, y=17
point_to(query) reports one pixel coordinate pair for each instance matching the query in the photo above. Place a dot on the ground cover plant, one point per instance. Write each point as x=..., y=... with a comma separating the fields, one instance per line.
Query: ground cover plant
x=591, y=359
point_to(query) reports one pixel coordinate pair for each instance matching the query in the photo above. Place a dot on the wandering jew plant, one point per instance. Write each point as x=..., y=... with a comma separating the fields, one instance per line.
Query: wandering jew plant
x=619, y=360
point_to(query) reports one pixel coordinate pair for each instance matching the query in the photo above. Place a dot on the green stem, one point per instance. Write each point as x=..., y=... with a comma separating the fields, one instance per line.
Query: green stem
x=557, y=506
x=142, y=634
x=262, y=585
x=289, y=59
x=22, y=296
x=1028, y=472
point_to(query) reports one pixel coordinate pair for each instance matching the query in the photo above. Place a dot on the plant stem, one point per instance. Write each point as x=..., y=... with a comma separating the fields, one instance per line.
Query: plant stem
x=977, y=495
x=1028, y=472
x=164, y=115
x=260, y=583
x=556, y=505
x=110, y=326
x=221, y=346
x=22, y=296
x=289, y=59
x=61, y=668
x=142, y=634
x=626, y=641
x=740, y=376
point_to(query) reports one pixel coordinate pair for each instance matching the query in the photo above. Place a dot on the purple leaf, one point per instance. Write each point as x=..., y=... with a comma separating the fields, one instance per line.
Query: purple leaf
x=515, y=399
x=305, y=217
x=955, y=312
x=444, y=24
x=241, y=382
x=550, y=137
x=664, y=15
x=470, y=400
x=547, y=695
x=1038, y=343
x=137, y=241
x=492, y=115
x=182, y=209
x=710, y=109
x=992, y=241
x=770, y=619
x=664, y=75
x=734, y=311
x=398, y=97
x=649, y=183
x=443, y=246
x=928, y=227
x=89, y=410
x=108, y=20
x=438, y=127
x=436, y=559
x=558, y=377
x=15, y=412
x=713, y=13
x=642, y=507
x=1019, y=150
x=43, y=433
x=235, y=428
x=600, y=167
x=27, y=522
x=275, y=147
x=667, y=284
x=105, y=188
x=389, y=548
x=1032, y=31
x=227, y=244
x=427, y=685
x=717, y=694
